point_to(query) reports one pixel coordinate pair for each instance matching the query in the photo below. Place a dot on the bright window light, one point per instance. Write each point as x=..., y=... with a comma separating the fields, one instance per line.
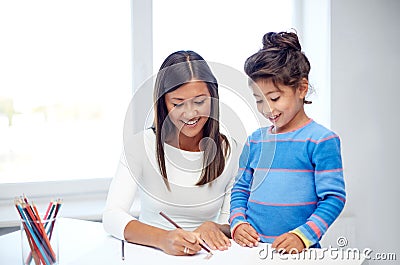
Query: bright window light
x=65, y=84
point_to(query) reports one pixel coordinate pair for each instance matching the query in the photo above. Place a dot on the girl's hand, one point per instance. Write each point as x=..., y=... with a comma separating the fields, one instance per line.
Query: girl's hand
x=246, y=235
x=179, y=242
x=287, y=243
x=211, y=234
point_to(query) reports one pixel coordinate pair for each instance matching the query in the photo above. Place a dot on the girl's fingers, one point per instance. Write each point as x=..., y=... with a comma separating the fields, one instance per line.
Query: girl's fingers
x=277, y=242
x=281, y=243
x=245, y=238
x=244, y=242
x=252, y=232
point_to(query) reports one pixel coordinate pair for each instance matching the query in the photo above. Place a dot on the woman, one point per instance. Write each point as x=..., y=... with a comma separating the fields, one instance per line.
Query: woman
x=182, y=166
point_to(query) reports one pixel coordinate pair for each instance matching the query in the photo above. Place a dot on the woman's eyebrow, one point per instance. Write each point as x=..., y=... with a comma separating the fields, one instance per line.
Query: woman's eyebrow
x=202, y=95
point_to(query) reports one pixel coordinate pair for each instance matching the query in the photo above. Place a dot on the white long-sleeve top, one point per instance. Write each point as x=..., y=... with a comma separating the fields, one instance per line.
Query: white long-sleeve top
x=187, y=204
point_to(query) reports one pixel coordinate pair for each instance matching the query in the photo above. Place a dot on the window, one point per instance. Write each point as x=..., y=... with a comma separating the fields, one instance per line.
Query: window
x=65, y=84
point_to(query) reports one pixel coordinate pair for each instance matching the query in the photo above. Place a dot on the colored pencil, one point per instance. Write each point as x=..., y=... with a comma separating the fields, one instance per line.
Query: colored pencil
x=35, y=229
x=177, y=226
x=123, y=250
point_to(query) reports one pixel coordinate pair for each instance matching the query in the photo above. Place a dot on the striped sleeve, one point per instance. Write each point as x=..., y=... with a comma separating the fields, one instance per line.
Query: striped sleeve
x=241, y=190
x=330, y=189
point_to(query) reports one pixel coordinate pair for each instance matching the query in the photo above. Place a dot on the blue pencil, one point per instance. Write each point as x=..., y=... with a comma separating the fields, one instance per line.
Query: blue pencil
x=38, y=244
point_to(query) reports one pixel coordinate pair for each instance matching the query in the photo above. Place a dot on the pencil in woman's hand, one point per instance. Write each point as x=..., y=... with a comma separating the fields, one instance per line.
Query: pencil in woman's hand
x=170, y=220
x=177, y=226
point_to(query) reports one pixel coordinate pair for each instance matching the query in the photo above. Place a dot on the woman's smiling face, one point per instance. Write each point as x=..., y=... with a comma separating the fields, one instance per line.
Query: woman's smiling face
x=189, y=108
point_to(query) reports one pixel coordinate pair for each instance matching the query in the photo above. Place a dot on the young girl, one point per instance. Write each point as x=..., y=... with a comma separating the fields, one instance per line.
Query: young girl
x=290, y=185
x=183, y=166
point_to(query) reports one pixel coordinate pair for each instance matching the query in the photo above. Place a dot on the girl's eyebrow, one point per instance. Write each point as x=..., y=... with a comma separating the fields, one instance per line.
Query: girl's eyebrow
x=265, y=94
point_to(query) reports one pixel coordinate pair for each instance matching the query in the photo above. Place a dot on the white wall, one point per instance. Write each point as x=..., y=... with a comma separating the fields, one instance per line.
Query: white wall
x=365, y=56
x=312, y=22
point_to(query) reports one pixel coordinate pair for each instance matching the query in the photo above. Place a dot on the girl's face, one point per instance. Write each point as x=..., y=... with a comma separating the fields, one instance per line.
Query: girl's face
x=284, y=106
x=189, y=108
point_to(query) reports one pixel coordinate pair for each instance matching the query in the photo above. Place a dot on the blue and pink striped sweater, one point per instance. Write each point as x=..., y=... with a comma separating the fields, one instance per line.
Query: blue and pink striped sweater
x=289, y=182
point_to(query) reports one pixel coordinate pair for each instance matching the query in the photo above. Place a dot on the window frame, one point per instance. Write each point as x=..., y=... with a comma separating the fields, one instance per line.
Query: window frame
x=85, y=198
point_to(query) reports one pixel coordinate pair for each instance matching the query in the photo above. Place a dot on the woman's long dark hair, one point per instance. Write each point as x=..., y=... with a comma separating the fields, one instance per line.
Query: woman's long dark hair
x=180, y=68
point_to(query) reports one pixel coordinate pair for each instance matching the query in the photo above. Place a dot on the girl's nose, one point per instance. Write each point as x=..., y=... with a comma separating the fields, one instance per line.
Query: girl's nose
x=267, y=109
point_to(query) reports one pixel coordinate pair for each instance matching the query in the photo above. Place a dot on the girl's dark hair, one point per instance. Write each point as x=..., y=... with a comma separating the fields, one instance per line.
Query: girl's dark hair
x=177, y=69
x=280, y=60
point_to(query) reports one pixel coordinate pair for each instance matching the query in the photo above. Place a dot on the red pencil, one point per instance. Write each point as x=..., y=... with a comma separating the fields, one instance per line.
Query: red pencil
x=36, y=254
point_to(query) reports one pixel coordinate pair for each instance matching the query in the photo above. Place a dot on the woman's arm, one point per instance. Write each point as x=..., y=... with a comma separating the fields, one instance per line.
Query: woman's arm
x=225, y=228
x=217, y=235
x=118, y=221
x=121, y=195
x=172, y=242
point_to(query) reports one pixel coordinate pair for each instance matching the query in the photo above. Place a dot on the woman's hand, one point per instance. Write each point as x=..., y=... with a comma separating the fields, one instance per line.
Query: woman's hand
x=287, y=243
x=212, y=235
x=179, y=242
x=246, y=236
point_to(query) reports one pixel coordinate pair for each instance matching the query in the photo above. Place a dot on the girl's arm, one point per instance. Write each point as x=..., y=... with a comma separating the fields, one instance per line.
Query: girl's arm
x=330, y=189
x=223, y=219
x=241, y=190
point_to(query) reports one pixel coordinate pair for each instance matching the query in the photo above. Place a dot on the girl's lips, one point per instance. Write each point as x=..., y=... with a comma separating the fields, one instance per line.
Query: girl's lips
x=274, y=118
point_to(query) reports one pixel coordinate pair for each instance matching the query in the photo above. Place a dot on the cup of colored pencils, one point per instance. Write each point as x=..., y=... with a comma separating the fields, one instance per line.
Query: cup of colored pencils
x=39, y=237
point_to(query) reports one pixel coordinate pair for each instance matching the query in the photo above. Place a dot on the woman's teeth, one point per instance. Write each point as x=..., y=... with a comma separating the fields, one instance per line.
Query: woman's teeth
x=191, y=122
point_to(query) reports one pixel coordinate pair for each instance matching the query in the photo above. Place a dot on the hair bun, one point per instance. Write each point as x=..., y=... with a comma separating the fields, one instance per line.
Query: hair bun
x=281, y=40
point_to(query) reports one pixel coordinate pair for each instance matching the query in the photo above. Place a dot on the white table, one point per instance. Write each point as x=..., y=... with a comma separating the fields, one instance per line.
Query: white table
x=85, y=242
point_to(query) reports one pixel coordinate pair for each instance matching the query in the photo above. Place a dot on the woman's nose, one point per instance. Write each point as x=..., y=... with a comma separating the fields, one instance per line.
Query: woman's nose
x=190, y=110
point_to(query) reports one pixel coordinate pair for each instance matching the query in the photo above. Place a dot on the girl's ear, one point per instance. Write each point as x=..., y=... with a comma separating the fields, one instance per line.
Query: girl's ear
x=303, y=87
